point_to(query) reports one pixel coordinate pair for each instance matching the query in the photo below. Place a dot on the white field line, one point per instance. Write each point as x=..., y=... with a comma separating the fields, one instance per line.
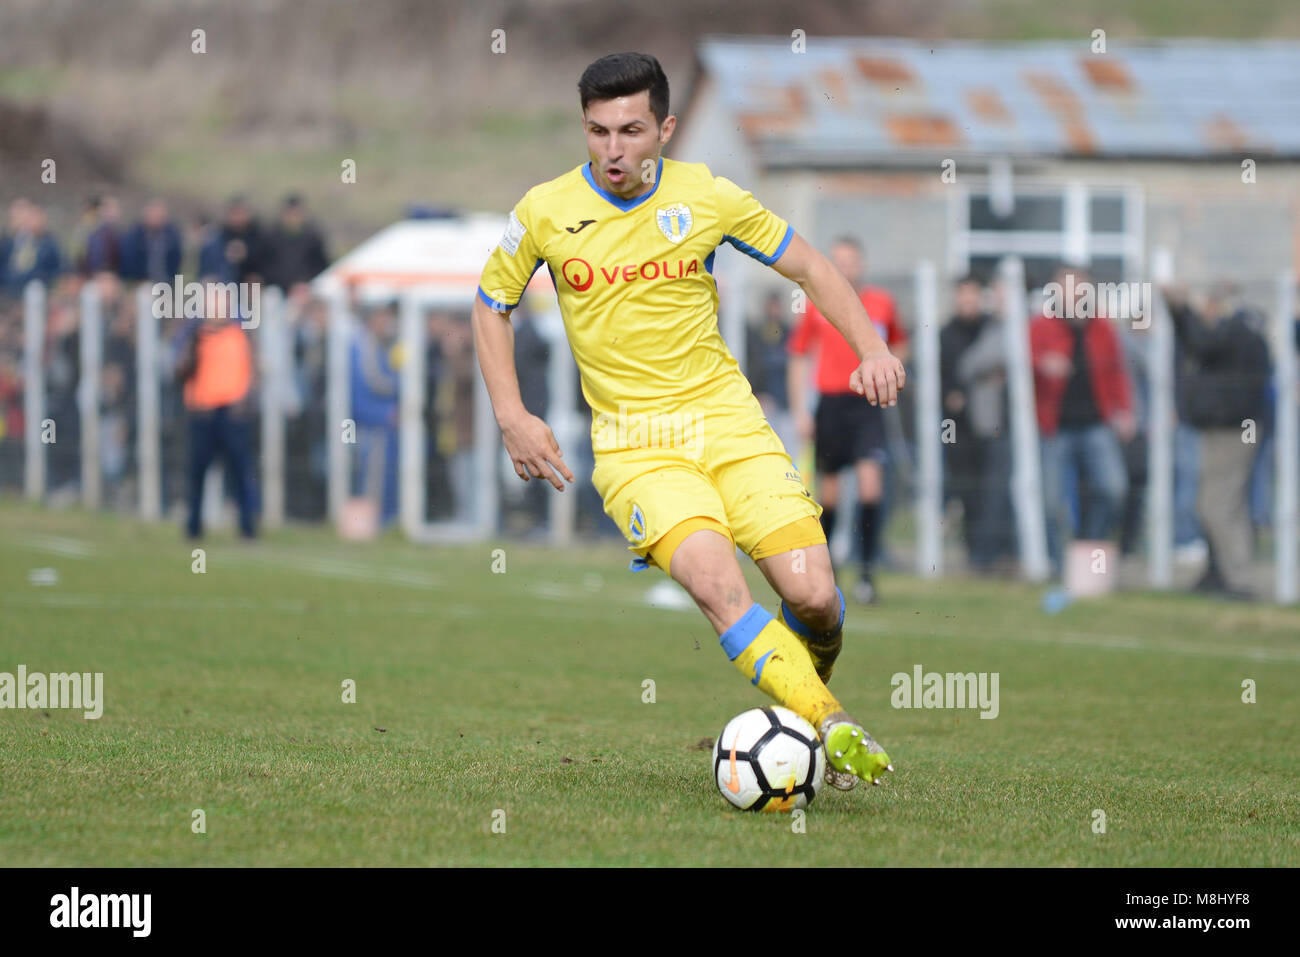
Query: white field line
x=330, y=567
x=68, y=547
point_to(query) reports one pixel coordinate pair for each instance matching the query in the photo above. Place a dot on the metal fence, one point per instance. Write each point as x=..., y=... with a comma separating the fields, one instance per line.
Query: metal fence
x=91, y=413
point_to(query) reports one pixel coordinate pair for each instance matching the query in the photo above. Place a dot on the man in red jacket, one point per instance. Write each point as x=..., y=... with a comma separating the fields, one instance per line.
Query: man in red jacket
x=1085, y=407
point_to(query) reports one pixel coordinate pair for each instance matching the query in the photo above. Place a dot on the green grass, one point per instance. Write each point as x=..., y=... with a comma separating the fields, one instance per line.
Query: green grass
x=522, y=691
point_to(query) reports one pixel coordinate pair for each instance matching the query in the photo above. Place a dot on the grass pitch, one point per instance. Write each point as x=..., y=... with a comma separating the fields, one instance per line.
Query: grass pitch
x=523, y=693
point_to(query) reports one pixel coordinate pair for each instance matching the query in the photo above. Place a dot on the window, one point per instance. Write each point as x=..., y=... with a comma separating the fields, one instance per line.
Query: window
x=1096, y=226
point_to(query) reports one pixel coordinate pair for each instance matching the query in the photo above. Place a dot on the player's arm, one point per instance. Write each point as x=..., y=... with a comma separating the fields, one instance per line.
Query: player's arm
x=880, y=375
x=528, y=439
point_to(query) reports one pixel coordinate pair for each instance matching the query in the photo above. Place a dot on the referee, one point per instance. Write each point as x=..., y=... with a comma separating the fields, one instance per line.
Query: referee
x=847, y=430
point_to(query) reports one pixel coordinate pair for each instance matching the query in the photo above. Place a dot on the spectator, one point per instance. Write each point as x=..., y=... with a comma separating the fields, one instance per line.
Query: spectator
x=374, y=409
x=236, y=251
x=216, y=367
x=1085, y=411
x=454, y=414
x=305, y=431
x=766, y=363
x=1136, y=343
x=846, y=431
x=203, y=258
x=151, y=249
x=963, y=453
x=982, y=375
x=295, y=248
x=27, y=250
x=62, y=381
x=98, y=239
x=1226, y=388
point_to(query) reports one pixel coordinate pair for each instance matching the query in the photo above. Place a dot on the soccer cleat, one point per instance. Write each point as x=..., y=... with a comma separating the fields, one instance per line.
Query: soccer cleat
x=851, y=753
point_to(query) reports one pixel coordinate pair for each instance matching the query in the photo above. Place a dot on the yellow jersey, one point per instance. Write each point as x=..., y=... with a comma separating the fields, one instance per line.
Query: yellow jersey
x=634, y=279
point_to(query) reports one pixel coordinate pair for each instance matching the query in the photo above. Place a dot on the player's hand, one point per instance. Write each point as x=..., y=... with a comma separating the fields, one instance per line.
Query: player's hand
x=879, y=378
x=533, y=450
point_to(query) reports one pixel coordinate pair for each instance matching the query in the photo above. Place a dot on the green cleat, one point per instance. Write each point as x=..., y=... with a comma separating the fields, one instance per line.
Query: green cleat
x=851, y=753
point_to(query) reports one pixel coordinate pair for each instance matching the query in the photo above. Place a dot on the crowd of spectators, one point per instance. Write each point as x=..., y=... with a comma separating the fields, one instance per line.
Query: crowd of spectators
x=117, y=255
x=1090, y=386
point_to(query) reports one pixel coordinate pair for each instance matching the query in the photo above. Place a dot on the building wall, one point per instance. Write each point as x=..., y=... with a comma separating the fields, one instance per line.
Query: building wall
x=1217, y=226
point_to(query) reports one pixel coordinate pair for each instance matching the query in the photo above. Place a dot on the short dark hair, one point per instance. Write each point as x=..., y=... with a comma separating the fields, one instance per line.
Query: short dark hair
x=625, y=74
x=847, y=240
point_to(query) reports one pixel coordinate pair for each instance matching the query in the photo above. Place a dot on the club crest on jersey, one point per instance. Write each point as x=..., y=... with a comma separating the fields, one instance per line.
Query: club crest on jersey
x=636, y=524
x=674, y=221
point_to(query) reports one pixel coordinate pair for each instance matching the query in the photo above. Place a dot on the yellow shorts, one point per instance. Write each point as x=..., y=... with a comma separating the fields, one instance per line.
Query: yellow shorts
x=730, y=473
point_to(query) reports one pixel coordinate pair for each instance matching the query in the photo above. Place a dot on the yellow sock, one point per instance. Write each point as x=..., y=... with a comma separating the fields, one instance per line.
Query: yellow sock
x=770, y=655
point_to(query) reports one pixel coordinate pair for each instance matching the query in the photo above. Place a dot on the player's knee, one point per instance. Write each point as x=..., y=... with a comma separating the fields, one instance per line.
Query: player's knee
x=814, y=601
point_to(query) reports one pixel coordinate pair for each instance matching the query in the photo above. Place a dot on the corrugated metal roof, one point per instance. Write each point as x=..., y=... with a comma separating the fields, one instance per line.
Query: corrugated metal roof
x=856, y=99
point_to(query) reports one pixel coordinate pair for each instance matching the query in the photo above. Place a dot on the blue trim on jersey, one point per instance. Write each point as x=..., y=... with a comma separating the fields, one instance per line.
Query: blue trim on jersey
x=638, y=565
x=504, y=307
x=749, y=250
x=492, y=303
x=623, y=204
x=742, y=634
x=708, y=263
x=785, y=242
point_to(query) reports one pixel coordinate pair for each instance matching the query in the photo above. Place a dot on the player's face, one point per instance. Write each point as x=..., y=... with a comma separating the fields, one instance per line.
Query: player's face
x=624, y=141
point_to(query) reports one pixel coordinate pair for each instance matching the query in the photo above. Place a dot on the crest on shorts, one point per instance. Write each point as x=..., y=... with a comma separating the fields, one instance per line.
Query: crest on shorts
x=636, y=525
x=674, y=221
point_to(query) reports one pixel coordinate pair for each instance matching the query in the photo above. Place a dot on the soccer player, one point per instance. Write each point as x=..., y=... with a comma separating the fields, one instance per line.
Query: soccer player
x=685, y=462
x=846, y=431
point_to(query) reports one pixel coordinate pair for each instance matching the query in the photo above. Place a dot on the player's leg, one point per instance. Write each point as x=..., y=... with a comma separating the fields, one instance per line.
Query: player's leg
x=813, y=607
x=867, y=426
x=702, y=559
x=202, y=449
x=798, y=567
x=774, y=518
x=828, y=459
x=871, y=487
x=828, y=495
x=673, y=517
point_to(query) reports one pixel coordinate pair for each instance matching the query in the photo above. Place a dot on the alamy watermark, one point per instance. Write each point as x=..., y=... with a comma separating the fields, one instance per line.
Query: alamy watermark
x=208, y=300
x=75, y=909
x=80, y=691
x=645, y=430
x=1130, y=301
x=930, y=689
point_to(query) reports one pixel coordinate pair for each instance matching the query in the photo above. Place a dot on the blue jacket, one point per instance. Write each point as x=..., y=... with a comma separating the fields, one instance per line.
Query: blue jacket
x=135, y=253
x=45, y=264
x=374, y=383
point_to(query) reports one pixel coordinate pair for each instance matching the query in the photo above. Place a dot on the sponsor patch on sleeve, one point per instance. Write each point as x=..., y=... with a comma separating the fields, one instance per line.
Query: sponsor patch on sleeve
x=513, y=235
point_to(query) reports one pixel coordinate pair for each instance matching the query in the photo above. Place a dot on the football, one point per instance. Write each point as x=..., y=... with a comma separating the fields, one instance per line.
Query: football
x=768, y=759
